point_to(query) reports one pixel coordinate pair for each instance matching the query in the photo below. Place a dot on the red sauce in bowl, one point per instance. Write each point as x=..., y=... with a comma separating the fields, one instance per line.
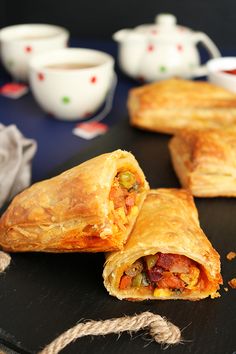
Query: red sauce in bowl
x=232, y=71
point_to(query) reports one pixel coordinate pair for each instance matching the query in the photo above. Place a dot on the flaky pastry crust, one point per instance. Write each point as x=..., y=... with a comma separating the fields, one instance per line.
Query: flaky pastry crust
x=168, y=223
x=70, y=212
x=171, y=105
x=205, y=162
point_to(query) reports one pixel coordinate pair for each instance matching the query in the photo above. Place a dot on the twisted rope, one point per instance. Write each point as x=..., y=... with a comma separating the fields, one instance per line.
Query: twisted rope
x=160, y=329
x=5, y=260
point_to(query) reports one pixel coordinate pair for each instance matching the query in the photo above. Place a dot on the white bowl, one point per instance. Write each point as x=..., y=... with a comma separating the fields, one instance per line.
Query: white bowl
x=216, y=73
x=75, y=93
x=20, y=43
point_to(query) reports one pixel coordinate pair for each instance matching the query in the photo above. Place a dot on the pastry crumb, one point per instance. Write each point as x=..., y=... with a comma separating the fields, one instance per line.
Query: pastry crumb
x=231, y=255
x=216, y=295
x=226, y=289
x=232, y=283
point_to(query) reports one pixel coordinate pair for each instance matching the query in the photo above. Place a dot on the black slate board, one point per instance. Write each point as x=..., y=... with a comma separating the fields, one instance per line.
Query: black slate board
x=41, y=295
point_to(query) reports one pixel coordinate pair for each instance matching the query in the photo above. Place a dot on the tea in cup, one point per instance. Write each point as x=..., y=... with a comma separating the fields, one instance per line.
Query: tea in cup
x=20, y=42
x=71, y=83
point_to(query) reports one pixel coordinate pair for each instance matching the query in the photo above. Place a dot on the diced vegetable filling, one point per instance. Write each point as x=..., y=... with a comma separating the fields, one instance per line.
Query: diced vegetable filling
x=160, y=272
x=123, y=196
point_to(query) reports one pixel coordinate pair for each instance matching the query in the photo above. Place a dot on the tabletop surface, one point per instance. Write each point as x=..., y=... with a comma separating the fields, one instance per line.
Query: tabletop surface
x=41, y=295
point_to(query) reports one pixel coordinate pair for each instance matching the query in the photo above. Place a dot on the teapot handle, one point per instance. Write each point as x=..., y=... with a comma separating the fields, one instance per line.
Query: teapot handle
x=211, y=48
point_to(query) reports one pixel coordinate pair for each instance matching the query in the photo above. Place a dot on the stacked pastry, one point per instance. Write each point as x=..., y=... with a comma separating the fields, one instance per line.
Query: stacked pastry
x=203, y=118
x=172, y=105
x=157, y=248
x=205, y=161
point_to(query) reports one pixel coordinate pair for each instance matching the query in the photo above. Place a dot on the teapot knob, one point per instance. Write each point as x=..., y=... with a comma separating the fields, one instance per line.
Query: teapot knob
x=165, y=20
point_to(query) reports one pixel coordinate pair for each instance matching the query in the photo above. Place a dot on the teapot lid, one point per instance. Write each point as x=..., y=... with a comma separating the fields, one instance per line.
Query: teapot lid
x=165, y=25
x=165, y=20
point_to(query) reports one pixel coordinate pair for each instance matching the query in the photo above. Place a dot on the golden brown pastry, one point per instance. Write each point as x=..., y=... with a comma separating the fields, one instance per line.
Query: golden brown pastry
x=171, y=105
x=91, y=207
x=205, y=162
x=167, y=255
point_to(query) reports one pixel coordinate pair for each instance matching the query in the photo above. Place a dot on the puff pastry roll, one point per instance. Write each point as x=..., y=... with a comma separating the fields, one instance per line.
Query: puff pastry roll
x=205, y=162
x=167, y=255
x=171, y=105
x=91, y=207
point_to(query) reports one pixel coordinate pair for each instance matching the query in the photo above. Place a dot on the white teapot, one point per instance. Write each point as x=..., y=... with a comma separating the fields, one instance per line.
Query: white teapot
x=162, y=50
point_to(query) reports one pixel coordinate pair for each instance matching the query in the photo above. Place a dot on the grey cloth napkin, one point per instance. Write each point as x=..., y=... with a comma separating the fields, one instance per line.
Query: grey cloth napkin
x=16, y=153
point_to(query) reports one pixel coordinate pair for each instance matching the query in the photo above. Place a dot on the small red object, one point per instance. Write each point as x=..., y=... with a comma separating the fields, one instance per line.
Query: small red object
x=41, y=76
x=28, y=49
x=93, y=79
x=155, y=273
x=93, y=126
x=231, y=71
x=90, y=130
x=13, y=90
x=179, y=47
x=150, y=48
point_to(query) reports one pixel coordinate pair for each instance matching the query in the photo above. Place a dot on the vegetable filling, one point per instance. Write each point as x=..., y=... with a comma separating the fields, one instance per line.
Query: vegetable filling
x=123, y=197
x=162, y=274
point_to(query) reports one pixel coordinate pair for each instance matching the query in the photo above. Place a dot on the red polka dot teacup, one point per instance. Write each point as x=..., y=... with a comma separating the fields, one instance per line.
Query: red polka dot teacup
x=19, y=43
x=71, y=82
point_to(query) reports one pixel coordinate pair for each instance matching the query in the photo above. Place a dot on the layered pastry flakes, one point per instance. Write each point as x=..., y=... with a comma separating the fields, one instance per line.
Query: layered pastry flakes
x=205, y=162
x=167, y=255
x=91, y=207
x=171, y=105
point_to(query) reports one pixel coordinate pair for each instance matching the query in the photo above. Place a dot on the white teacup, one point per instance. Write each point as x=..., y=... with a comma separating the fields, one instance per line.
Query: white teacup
x=71, y=83
x=218, y=75
x=20, y=42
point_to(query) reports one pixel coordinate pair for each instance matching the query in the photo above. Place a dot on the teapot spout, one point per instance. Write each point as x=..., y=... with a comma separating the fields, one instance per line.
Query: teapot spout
x=121, y=35
x=127, y=35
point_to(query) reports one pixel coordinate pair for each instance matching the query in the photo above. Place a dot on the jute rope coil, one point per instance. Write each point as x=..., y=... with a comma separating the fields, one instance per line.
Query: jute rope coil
x=160, y=329
x=5, y=260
